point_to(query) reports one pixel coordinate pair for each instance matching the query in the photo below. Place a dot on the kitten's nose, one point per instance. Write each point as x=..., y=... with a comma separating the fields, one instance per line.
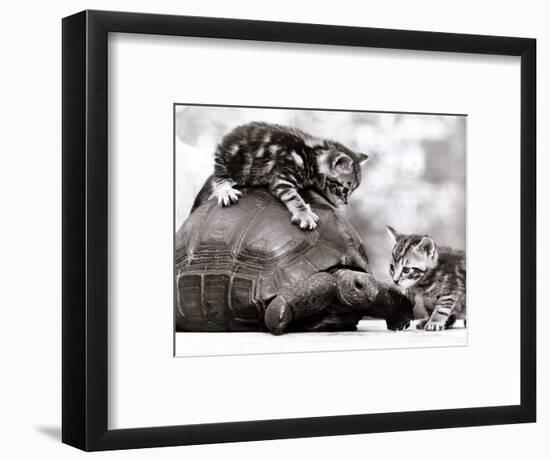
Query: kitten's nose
x=396, y=281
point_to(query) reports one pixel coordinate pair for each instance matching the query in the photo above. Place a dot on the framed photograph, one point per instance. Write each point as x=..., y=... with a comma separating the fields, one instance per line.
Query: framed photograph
x=279, y=230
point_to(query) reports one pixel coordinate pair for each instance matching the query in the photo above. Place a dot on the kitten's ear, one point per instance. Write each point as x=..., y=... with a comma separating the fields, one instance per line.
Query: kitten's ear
x=343, y=162
x=362, y=158
x=394, y=235
x=427, y=246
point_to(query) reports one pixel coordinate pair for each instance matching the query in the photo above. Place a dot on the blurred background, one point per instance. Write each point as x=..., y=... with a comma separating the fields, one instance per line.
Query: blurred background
x=414, y=180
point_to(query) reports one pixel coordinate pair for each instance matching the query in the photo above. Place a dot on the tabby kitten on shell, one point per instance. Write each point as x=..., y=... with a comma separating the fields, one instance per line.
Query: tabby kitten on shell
x=285, y=160
x=437, y=274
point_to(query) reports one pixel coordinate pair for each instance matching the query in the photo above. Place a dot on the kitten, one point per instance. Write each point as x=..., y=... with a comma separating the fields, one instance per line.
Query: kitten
x=438, y=274
x=286, y=160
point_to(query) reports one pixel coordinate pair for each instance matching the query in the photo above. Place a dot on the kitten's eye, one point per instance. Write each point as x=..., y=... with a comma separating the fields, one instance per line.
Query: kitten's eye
x=405, y=270
x=391, y=268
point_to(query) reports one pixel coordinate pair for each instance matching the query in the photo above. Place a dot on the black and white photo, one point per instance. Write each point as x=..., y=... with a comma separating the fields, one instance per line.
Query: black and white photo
x=311, y=225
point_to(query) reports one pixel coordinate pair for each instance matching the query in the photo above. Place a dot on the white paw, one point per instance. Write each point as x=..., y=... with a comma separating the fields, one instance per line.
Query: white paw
x=306, y=219
x=225, y=193
x=434, y=326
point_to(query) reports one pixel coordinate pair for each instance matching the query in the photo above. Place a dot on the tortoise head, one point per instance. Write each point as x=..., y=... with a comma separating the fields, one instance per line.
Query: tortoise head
x=395, y=307
x=355, y=289
x=361, y=292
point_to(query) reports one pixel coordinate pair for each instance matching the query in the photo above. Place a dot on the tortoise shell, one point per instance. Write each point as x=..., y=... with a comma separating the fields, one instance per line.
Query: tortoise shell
x=230, y=262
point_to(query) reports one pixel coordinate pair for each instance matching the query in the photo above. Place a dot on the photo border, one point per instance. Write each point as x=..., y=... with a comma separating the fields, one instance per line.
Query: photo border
x=85, y=223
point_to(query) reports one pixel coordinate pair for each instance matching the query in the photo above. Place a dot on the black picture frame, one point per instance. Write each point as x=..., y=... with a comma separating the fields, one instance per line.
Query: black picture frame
x=85, y=220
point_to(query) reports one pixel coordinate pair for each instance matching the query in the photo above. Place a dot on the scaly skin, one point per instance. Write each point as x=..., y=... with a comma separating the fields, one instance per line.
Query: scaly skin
x=345, y=296
x=309, y=297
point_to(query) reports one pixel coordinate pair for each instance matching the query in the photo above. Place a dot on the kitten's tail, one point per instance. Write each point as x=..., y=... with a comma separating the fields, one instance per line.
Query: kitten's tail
x=204, y=194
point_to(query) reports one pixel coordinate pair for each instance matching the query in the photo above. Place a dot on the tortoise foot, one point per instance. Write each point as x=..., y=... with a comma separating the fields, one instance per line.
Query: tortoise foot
x=277, y=316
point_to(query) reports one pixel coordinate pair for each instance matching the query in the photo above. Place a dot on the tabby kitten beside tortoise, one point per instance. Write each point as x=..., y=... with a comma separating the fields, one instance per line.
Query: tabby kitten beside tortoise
x=436, y=273
x=286, y=161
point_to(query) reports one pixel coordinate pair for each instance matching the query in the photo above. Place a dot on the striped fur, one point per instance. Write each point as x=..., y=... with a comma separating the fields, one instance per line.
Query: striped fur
x=437, y=274
x=286, y=160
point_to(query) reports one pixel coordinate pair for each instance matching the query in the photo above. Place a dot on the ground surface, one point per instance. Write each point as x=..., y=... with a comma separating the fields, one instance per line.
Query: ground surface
x=371, y=334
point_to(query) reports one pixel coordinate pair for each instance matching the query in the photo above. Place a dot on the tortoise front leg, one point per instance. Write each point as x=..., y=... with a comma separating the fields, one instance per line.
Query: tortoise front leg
x=278, y=315
x=310, y=297
x=343, y=291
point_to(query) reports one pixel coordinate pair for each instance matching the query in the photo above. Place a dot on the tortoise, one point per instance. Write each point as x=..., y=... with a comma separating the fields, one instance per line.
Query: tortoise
x=248, y=268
